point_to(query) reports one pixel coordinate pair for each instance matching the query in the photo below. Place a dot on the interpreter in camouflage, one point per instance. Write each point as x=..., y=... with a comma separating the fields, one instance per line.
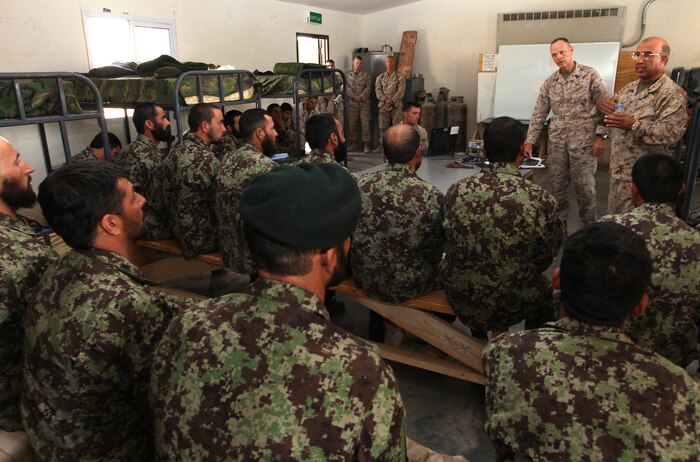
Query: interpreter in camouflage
x=579, y=388
x=231, y=139
x=358, y=92
x=252, y=159
x=669, y=326
x=398, y=242
x=143, y=162
x=325, y=136
x=23, y=259
x=307, y=108
x=654, y=118
x=389, y=88
x=572, y=156
x=411, y=117
x=501, y=232
x=190, y=171
x=93, y=323
x=264, y=374
x=96, y=151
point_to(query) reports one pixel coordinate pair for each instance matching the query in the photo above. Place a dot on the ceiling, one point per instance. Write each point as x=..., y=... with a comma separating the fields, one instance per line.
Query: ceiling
x=353, y=6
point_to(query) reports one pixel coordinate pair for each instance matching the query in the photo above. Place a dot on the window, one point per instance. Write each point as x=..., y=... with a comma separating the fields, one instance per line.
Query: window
x=312, y=48
x=113, y=37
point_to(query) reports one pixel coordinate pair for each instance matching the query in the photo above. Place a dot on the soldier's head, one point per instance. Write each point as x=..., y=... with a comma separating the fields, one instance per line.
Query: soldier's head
x=330, y=64
x=562, y=54
x=232, y=122
x=258, y=129
x=650, y=58
x=306, y=233
x=275, y=111
x=503, y=140
x=150, y=120
x=287, y=111
x=411, y=113
x=402, y=145
x=324, y=132
x=206, y=121
x=357, y=64
x=15, y=180
x=605, y=270
x=656, y=178
x=310, y=103
x=390, y=63
x=97, y=145
x=91, y=203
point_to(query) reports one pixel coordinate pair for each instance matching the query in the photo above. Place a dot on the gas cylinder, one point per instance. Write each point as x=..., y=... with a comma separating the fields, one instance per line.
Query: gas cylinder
x=457, y=116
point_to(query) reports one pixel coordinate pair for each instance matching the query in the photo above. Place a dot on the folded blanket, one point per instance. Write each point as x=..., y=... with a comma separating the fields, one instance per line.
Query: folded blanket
x=114, y=70
x=149, y=67
x=294, y=68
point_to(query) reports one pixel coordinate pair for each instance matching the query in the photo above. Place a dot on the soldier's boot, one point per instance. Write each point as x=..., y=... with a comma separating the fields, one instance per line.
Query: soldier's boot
x=366, y=150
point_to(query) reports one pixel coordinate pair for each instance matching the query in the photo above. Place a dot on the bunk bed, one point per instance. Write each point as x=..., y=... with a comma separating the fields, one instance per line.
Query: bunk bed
x=40, y=98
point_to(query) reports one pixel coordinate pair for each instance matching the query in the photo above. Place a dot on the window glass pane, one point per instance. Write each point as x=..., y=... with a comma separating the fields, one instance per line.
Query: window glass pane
x=308, y=49
x=151, y=42
x=109, y=40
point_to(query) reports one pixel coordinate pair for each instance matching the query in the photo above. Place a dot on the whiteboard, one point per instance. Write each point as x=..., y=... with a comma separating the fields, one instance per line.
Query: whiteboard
x=523, y=68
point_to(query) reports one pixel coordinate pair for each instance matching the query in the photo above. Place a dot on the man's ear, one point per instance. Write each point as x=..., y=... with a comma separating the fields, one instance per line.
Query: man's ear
x=149, y=124
x=641, y=306
x=111, y=224
x=556, y=279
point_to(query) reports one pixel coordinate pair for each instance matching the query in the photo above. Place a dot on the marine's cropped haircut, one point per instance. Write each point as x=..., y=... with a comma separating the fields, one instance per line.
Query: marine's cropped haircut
x=503, y=138
x=410, y=105
x=200, y=112
x=142, y=113
x=605, y=269
x=658, y=177
x=400, y=144
x=251, y=120
x=319, y=128
x=75, y=197
x=560, y=39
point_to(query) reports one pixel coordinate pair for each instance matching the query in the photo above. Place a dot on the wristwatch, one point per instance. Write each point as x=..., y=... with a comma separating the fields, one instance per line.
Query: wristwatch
x=635, y=126
x=602, y=136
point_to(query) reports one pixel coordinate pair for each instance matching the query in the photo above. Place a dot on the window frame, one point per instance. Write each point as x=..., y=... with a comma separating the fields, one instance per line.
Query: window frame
x=317, y=37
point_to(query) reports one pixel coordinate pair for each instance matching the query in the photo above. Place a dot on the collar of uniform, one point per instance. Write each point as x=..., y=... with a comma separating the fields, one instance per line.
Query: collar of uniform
x=192, y=138
x=397, y=167
x=574, y=72
x=577, y=327
x=288, y=294
x=141, y=138
x=16, y=223
x=250, y=146
x=655, y=86
x=503, y=167
x=324, y=156
x=116, y=261
x=649, y=208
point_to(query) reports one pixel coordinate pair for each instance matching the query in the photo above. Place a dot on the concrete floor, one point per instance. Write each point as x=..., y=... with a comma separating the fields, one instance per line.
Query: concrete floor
x=444, y=414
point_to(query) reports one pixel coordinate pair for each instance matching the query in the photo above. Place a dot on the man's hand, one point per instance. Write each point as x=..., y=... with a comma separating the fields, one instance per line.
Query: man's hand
x=598, y=146
x=388, y=102
x=357, y=99
x=619, y=120
x=527, y=149
x=607, y=105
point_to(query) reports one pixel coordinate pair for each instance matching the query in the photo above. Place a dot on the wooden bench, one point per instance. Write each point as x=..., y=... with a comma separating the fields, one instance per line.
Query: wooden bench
x=416, y=317
x=149, y=256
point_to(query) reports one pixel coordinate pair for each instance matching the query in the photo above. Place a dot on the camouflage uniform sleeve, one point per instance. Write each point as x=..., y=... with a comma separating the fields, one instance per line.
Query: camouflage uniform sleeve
x=551, y=234
x=366, y=81
x=435, y=244
x=667, y=123
x=400, y=90
x=379, y=89
x=598, y=91
x=539, y=113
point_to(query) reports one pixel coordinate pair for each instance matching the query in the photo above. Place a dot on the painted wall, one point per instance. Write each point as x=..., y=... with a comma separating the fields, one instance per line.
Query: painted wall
x=452, y=33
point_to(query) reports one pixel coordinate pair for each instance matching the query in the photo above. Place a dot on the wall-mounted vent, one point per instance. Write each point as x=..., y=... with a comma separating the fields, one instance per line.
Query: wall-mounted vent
x=585, y=25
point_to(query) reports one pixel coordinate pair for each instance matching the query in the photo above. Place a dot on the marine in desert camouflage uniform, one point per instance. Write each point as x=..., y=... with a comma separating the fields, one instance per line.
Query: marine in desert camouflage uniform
x=411, y=116
x=359, y=87
x=92, y=325
x=95, y=150
x=579, y=388
x=23, y=259
x=257, y=129
x=190, y=172
x=144, y=163
x=389, y=87
x=264, y=374
x=669, y=326
x=501, y=233
x=654, y=118
x=398, y=242
x=571, y=93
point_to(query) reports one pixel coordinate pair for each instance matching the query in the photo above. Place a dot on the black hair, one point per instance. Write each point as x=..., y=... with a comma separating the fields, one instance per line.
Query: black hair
x=230, y=117
x=200, y=112
x=251, y=120
x=279, y=259
x=410, y=105
x=142, y=113
x=113, y=140
x=503, y=138
x=271, y=106
x=319, y=128
x=400, y=148
x=658, y=177
x=286, y=107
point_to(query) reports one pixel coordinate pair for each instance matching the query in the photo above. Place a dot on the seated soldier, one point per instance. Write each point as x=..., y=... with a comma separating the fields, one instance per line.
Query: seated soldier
x=398, y=243
x=231, y=139
x=143, y=162
x=411, y=117
x=669, y=326
x=501, y=233
x=190, y=171
x=283, y=143
x=252, y=159
x=579, y=388
x=96, y=151
x=23, y=259
x=287, y=115
x=92, y=324
x=305, y=109
x=325, y=136
x=264, y=374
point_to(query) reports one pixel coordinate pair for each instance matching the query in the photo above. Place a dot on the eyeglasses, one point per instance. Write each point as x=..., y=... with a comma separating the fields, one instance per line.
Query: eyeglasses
x=646, y=55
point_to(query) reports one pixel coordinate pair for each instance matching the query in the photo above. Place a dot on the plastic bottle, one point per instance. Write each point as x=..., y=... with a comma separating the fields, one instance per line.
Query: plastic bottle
x=618, y=133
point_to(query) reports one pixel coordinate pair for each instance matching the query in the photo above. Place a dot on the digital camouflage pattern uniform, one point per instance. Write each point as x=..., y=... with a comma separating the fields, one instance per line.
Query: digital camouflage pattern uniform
x=227, y=144
x=571, y=391
x=236, y=172
x=359, y=84
x=501, y=232
x=90, y=333
x=389, y=87
x=660, y=112
x=190, y=182
x=265, y=375
x=669, y=325
x=315, y=156
x=144, y=162
x=572, y=131
x=398, y=242
x=23, y=259
x=85, y=154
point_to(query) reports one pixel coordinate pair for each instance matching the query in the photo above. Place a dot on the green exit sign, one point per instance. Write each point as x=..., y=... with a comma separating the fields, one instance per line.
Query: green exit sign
x=315, y=18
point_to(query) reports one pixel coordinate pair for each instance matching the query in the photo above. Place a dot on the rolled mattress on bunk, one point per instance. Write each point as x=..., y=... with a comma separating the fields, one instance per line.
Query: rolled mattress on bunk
x=40, y=97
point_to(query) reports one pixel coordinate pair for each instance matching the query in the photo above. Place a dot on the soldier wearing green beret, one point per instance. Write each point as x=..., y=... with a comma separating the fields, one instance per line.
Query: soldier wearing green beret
x=264, y=374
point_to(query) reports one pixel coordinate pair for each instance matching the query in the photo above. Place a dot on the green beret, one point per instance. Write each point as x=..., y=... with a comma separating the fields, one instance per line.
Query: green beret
x=310, y=206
